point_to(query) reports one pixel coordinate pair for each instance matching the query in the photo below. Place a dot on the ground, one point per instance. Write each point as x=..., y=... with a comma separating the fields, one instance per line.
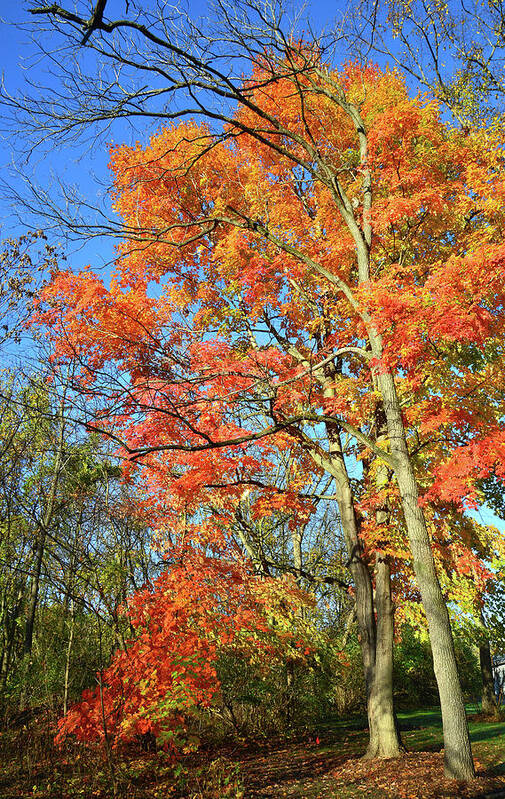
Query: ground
x=324, y=765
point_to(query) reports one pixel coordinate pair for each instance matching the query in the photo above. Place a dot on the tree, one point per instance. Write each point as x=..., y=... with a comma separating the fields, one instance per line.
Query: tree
x=201, y=607
x=284, y=218
x=72, y=546
x=198, y=58
x=25, y=264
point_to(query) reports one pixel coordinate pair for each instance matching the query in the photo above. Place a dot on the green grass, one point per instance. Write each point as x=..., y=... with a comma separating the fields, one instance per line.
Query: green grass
x=342, y=739
x=422, y=729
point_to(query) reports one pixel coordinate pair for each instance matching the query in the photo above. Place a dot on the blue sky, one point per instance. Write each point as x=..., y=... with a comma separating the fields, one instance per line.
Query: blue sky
x=85, y=168
x=20, y=63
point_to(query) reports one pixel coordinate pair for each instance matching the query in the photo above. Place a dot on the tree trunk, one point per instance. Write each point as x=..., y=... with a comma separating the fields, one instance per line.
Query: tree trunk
x=252, y=547
x=458, y=760
x=296, y=540
x=289, y=704
x=68, y=658
x=385, y=740
x=42, y=533
x=34, y=594
x=10, y=635
x=489, y=705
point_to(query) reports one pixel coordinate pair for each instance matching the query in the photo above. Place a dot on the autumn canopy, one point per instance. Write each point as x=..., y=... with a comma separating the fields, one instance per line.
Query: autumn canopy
x=320, y=282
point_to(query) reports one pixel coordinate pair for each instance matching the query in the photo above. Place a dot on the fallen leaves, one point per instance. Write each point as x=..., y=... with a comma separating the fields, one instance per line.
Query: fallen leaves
x=415, y=775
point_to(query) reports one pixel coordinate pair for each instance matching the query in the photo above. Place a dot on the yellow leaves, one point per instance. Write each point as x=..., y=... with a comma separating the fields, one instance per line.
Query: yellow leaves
x=178, y=295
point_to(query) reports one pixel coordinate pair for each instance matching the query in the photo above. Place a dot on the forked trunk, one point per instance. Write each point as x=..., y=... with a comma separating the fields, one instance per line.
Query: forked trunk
x=457, y=751
x=385, y=741
x=375, y=637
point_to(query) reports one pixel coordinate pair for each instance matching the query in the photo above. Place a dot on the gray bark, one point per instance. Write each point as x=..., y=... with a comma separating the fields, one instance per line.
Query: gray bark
x=375, y=637
x=385, y=741
x=489, y=705
x=458, y=760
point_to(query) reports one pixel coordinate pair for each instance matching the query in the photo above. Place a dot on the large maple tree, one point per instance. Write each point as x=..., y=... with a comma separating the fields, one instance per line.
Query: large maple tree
x=291, y=282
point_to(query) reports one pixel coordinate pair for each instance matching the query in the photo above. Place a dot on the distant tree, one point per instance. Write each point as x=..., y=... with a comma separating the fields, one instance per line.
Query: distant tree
x=455, y=49
x=25, y=264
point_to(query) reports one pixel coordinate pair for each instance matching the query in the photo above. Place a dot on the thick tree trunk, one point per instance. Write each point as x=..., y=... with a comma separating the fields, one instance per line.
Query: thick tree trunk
x=385, y=741
x=359, y=569
x=457, y=751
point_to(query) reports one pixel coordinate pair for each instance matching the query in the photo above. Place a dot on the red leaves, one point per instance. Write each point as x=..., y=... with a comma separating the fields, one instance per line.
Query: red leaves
x=200, y=608
x=455, y=478
x=416, y=775
x=229, y=359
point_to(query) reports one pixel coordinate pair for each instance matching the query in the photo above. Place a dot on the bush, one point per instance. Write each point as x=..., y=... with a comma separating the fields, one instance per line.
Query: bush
x=413, y=675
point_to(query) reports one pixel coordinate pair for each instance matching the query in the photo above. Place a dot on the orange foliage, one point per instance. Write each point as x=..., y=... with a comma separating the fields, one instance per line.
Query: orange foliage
x=237, y=283
x=199, y=609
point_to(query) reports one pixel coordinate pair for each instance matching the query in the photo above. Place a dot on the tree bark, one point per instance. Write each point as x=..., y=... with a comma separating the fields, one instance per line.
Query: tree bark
x=375, y=637
x=68, y=657
x=34, y=594
x=42, y=533
x=489, y=705
x=458, y=761
x=10, y=635
x=385, y=740
x=296, y=540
